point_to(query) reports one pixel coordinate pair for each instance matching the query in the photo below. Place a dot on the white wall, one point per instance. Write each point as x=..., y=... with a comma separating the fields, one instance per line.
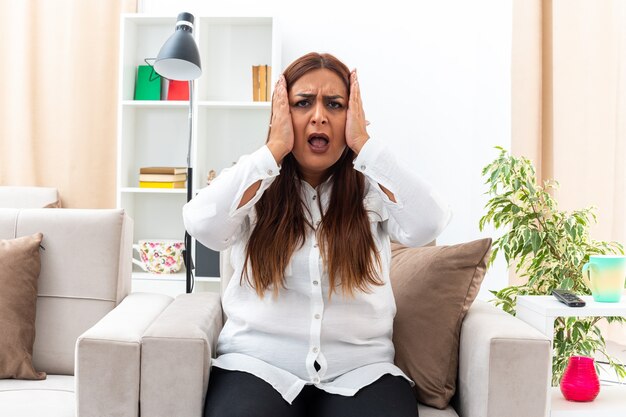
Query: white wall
x=435, y=81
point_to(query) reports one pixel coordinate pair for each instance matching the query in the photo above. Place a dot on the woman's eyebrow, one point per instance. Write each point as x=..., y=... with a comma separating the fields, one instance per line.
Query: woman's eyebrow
x=307, y=95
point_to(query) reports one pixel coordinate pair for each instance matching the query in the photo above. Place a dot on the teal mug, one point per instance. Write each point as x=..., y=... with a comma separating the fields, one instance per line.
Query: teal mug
x=605, y=276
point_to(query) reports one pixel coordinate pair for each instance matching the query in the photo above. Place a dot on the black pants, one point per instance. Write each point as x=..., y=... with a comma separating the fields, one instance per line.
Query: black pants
x=240, y=394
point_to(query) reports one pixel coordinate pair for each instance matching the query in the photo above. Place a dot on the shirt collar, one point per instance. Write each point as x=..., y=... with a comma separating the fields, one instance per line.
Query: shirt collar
x=323, y=188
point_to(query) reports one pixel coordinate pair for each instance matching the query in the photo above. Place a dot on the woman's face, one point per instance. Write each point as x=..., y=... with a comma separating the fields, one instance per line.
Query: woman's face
x=318, y=103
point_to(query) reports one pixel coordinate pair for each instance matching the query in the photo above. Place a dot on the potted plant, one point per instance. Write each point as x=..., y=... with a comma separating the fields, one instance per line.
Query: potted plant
x=548, y=247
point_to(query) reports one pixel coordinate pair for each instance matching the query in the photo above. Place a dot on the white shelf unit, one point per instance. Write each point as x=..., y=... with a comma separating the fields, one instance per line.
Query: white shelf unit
x=227, y=123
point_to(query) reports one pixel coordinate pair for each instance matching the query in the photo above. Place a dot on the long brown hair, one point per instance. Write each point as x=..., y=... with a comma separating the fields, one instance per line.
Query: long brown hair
x=347, y=246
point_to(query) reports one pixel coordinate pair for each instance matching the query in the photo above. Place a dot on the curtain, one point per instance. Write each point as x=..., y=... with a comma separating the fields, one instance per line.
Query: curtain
x=58, y=106
x=569, y=105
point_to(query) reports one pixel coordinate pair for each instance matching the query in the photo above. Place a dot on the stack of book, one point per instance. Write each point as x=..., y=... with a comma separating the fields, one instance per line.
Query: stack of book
x=151, y=86
x=261, y=82
x=162, y=177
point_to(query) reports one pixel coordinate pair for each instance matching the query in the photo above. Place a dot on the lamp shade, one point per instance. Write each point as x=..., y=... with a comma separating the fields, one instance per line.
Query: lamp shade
x=179, y=58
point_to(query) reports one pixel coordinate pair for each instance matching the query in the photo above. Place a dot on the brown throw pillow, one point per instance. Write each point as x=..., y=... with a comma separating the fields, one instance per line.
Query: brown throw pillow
x=54, y=204
x=19, y=273
x=434, y=287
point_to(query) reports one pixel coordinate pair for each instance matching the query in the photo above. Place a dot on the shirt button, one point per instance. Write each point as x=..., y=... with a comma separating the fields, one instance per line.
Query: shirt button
x=315, y=282
x=315, y=246
x=270, y=172
x=317, y=316
x=362, y=166
x=316, y=380
x=314, y=197
x=315, y=349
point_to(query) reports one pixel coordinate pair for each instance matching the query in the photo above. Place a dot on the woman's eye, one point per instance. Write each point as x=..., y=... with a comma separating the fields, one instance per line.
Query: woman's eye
x=335, y=105
x=302, y=103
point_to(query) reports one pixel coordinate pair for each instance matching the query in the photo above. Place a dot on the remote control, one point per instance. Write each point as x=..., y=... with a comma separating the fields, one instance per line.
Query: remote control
x=568, y=298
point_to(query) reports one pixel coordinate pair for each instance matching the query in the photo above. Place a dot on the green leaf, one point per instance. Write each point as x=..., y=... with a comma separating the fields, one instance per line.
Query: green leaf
x=536, y=241
x=494, y=175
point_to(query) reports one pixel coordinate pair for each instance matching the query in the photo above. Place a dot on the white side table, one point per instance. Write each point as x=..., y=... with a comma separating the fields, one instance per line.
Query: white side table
x=540, y=311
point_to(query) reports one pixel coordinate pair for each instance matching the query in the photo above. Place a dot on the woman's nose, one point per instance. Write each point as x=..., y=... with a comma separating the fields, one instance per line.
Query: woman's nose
x=319, y=114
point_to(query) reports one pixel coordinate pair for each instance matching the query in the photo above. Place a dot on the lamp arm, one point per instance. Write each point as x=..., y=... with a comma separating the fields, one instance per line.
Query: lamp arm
x=190, y=119
x=189, y=265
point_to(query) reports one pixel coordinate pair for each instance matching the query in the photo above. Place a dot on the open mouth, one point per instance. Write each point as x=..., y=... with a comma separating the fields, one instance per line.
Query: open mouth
x=318, y=142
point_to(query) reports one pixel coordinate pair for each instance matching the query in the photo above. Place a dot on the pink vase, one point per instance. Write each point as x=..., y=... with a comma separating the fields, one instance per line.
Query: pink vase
x=580, y=381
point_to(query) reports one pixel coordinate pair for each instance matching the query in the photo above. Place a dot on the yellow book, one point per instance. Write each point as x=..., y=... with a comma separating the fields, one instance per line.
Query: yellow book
x=149, y=184
x=263, y=83
x=255, y=83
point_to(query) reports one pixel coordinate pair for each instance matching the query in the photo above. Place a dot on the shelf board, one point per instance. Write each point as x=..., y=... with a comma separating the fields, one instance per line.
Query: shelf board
x=548, y=306
x=154, y=190
x=235, y=104
x=180, y=276
x=611, y=402
x=157, y=19
x=147, y=276
x=208, y=279
x=165, y=104
x=236, y=21
x=153, y=104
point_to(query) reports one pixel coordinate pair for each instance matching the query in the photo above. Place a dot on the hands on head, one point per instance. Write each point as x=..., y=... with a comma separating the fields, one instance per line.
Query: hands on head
x=281, y=138
x=281, y=130
x=356, y=132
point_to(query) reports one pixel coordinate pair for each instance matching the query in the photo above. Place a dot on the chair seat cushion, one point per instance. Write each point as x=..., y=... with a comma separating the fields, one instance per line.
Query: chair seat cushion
x=426, y=411
x=52, y=397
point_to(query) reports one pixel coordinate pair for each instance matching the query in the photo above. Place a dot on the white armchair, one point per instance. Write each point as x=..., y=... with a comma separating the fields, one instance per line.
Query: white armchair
x=503, y=362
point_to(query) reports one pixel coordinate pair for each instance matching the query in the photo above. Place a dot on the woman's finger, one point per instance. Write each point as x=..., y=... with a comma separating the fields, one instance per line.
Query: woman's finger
x=357, y=90
x=279, y=101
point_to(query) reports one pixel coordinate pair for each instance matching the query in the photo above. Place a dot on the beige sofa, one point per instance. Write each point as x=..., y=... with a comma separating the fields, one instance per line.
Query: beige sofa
x=503, y=362
x=88, y=327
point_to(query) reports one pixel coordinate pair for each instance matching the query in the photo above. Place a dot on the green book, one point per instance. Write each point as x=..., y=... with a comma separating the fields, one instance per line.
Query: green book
x=147, y=84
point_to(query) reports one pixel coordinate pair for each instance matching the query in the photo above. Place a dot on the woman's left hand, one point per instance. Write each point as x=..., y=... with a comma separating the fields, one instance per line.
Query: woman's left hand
x=356, y=132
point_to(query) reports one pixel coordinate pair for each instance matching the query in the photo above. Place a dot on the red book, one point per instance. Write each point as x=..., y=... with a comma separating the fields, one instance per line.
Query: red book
x=178, y=90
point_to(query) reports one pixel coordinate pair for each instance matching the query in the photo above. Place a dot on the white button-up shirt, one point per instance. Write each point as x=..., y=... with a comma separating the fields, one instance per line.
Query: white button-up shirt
x=279, y=340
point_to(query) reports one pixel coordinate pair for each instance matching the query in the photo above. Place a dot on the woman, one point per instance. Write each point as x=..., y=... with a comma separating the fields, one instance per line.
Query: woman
x=309, y=217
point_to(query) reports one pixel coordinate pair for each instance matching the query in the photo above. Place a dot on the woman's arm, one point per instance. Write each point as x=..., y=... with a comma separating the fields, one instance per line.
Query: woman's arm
x=216, y=214
x=388, y=193
x=417, y=212
x=278, y=155
x=249, y=193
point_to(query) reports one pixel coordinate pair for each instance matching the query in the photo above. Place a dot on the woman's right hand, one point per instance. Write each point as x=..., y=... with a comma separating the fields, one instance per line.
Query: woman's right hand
x=281, y=138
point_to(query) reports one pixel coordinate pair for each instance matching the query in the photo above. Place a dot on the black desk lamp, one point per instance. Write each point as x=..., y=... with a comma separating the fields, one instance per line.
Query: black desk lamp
x=179, y=59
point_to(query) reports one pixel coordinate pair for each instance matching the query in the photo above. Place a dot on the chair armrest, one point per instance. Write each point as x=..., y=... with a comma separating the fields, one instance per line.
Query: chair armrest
x=176, y=356
x=108, y=357
x=504, y=366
